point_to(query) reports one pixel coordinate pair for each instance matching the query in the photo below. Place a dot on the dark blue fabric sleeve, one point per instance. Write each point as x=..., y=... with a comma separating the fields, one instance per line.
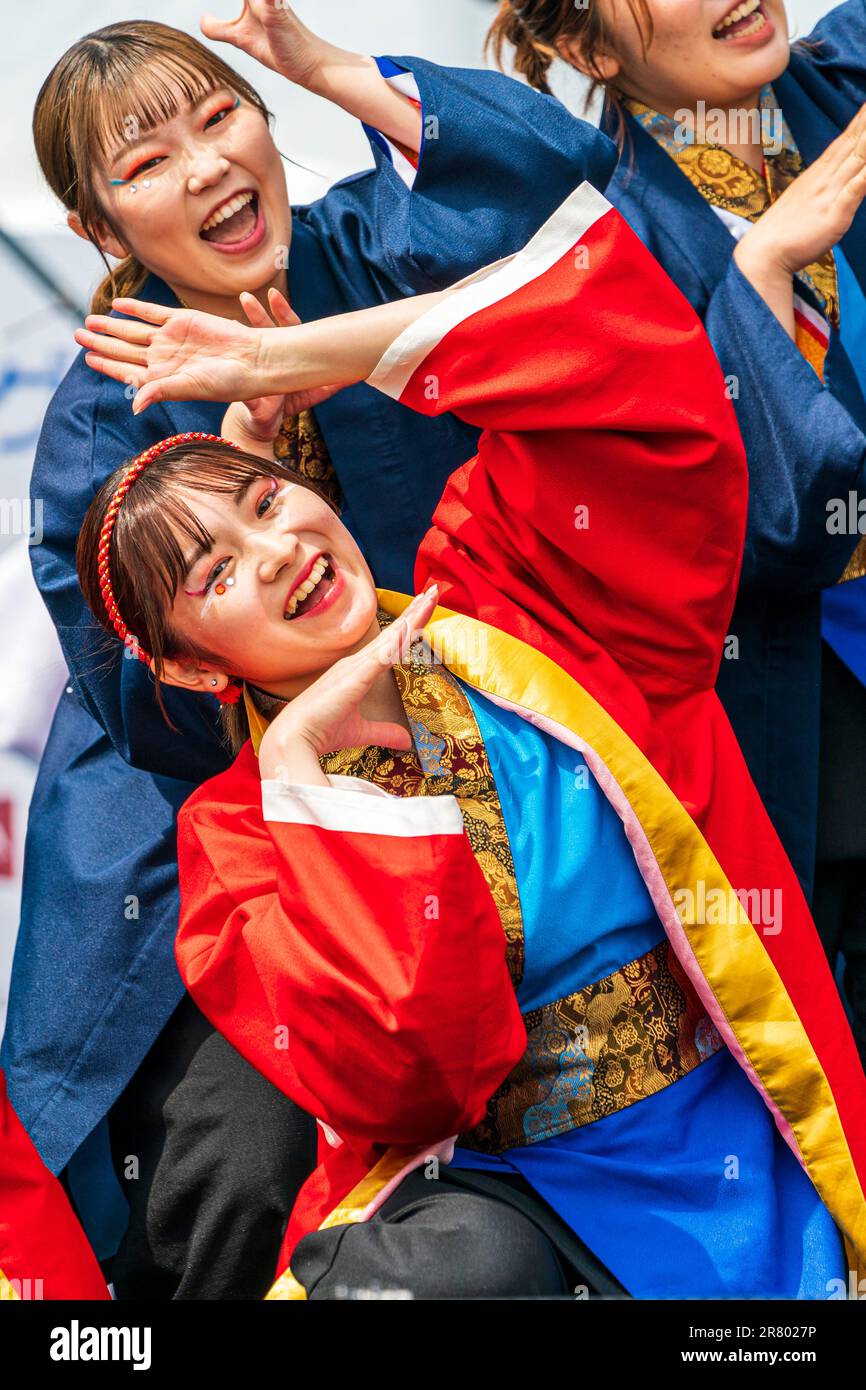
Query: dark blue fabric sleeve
x=804, y=446
x=497, y=159
x=837, y=49
x=89, y=430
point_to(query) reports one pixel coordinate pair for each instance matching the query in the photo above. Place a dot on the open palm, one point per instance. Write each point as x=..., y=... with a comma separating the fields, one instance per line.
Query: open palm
x=172, y=354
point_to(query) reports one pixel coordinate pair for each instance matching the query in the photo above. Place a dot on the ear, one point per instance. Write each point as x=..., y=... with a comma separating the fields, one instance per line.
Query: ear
x=187, y=674
x=605, y=65
x=105, y=238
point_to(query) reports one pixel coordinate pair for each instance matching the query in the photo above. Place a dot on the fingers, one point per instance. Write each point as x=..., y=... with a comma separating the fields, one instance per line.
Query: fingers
x=130, y=330
x=220, y=30
x=385, y=735
x=104, y=346
x=140, y=309
x=282, y=309
x=153, y=391
x=118, y=371
x=256, y=314
x=393, y=644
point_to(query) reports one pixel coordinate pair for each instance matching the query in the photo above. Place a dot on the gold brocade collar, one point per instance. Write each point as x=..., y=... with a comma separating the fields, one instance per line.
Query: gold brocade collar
x=728, y=182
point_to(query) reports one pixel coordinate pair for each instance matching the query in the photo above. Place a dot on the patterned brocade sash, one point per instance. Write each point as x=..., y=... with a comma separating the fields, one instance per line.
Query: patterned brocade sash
x=598, y=1051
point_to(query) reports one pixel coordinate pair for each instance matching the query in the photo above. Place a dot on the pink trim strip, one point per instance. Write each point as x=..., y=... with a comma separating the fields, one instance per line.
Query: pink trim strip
x=444, y=1151
x=660, y=893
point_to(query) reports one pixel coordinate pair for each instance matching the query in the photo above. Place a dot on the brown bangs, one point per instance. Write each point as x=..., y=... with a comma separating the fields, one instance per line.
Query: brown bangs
x=136, y=98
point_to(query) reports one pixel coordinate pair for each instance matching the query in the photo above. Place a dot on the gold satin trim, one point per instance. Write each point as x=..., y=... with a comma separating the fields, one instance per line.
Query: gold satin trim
x=350, y=1211
x=732, y=958
x=8, y=1292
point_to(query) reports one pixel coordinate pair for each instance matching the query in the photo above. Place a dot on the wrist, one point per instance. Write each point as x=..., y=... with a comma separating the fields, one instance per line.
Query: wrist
x=287, y=755
x=762, y=267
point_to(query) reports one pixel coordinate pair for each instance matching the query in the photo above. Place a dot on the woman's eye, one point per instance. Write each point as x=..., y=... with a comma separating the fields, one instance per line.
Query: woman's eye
x=215, y=574
x=263, y=506
x=218, y=116
x=145, y=167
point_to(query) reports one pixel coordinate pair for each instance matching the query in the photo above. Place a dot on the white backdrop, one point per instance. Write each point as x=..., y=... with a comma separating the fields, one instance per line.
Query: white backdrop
x=35, y=336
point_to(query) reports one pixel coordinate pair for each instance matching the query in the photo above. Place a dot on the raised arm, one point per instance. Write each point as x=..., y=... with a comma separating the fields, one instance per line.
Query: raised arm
x=273, y=34
x=611, y=474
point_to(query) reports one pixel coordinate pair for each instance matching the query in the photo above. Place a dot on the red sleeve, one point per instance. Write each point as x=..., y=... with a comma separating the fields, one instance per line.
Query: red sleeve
x=43, y=1250
x=611, y=474
x=346, y=943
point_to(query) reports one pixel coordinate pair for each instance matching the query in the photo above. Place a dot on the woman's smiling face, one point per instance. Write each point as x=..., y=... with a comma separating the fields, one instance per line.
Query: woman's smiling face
x=721, y=52
x=281, y=594
x=200, y=199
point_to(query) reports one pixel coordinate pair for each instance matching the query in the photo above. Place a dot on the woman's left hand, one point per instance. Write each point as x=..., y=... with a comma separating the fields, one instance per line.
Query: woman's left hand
x=167, y=354
x=271, y=33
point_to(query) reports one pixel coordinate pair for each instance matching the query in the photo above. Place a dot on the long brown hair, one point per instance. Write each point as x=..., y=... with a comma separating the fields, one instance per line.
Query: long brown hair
x=119, y=79
x=146, y=556
x=533, y=28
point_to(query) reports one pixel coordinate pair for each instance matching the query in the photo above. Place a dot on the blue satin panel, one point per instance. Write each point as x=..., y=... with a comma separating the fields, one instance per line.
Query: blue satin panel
x=843, y=608
x=645, y=1188
x=579, y=874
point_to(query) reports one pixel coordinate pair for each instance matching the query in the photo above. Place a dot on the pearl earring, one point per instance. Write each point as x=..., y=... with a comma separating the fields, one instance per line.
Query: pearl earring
x=147, y=183
x=214, y=681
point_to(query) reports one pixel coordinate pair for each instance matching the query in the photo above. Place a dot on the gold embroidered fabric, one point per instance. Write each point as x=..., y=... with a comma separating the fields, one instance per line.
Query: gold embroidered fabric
x=726, y=181
x=598, y=1051
x=300, y=445
x=449, y=759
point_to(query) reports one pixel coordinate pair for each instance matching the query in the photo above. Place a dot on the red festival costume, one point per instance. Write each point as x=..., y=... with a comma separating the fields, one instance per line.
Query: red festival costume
x=587, y=560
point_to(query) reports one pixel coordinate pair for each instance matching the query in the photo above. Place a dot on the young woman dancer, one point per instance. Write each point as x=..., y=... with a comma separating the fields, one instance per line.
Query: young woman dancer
x=527, y=884
x=150, y=139
x=743, y=168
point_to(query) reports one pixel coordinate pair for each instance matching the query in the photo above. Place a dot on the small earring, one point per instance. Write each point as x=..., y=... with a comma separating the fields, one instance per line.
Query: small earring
x=146, y=183
x=133, y=188
x=230, y=581
x=214, y=680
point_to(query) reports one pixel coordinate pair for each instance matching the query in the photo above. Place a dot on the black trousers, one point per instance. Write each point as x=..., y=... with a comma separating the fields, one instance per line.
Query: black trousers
x=839, y=898
x=463, y=1235
x=211, y=1157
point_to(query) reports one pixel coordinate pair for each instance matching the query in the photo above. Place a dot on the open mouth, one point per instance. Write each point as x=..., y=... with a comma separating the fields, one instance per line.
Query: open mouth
x=236, y=223
x=318, y=584
x=742, y=21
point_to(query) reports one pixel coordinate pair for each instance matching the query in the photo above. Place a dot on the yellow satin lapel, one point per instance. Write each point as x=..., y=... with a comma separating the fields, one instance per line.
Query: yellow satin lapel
x=732, y=958
x=257, y=722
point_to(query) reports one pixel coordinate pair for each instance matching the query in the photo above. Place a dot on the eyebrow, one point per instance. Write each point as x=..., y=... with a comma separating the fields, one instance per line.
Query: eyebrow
x=205, y=548
x=147, y=134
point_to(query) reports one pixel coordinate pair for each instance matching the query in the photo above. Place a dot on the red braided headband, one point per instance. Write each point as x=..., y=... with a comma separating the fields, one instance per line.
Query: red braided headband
x=232, y=692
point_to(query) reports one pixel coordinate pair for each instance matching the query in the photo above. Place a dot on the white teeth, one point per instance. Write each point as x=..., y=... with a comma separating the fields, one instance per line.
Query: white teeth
x=227, y=209
x=748, y=7
x=307, y=587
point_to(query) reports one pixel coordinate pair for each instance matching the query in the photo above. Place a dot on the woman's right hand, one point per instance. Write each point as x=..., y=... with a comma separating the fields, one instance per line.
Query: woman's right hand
x=328, y=715
x=813, y=213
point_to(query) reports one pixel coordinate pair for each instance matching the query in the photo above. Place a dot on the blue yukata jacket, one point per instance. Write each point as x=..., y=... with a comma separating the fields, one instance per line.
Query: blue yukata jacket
x=94, y=976
x=805, y=442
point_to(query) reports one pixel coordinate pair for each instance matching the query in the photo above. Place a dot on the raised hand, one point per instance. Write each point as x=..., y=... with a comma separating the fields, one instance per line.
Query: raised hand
x=173, y=354
x=328, y=715
x=814, y=212
x=271, y=32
